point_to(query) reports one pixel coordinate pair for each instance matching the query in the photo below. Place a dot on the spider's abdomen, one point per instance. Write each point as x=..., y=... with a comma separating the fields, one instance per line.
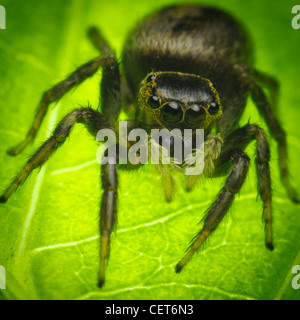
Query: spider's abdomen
x=187, y=38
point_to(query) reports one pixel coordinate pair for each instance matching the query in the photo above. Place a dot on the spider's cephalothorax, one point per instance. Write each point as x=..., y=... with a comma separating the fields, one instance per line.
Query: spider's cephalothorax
x=185, y=66
x=177, y=100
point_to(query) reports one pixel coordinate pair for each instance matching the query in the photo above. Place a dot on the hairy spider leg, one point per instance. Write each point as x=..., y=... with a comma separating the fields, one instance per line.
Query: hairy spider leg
x=220, y=207
x=277, y=131
x=108, y=214
x=58, y=91
x=99, y=42
x=102, y=45
x=233, y=144
x=271, y=83
x=94, y=121
x=87, y=116
x=240, y=138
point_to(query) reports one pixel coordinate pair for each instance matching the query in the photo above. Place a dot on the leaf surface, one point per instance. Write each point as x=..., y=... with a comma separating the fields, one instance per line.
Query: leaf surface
x=49, y=235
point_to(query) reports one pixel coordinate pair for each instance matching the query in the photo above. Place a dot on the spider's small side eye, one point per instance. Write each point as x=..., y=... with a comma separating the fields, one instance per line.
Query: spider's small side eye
x=171, y=112
x=213, y=108
x=195, y=115
x=153, y=102
x=212, y=84
x=151, y=78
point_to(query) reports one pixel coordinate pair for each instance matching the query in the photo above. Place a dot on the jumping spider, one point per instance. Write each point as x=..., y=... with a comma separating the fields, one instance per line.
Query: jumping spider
x=184, y=66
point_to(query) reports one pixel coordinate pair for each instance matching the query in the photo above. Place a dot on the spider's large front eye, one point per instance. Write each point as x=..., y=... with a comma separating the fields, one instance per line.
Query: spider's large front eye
x=171, y=112
x=153, y=102
x=195, y=115
x=213, y=108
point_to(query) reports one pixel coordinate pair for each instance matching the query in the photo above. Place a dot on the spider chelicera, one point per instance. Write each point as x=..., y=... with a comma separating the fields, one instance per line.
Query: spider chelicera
x=183, y=67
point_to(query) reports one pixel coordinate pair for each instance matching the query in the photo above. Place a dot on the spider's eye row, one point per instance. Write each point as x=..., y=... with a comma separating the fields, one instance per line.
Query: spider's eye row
x=172, y=112
x=151, y=78
x=153, y=102
x=213, y=108
x=195, y=115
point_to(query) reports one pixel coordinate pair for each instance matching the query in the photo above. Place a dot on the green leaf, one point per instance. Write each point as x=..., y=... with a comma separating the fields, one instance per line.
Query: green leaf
x=49, y=235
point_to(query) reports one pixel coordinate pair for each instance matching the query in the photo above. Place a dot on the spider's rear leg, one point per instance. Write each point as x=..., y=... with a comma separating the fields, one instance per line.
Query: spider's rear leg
x=271, y=83
x=220, y=207
x=102, y=45
x=57, y=92
x=277, y=131
x=99, y=42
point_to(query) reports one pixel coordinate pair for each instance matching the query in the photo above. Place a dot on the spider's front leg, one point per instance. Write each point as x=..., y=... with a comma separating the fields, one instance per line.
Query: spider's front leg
x=220, y=207
x=94, y=121
x=231, y=150
x=240, y=138
x=108, y=213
